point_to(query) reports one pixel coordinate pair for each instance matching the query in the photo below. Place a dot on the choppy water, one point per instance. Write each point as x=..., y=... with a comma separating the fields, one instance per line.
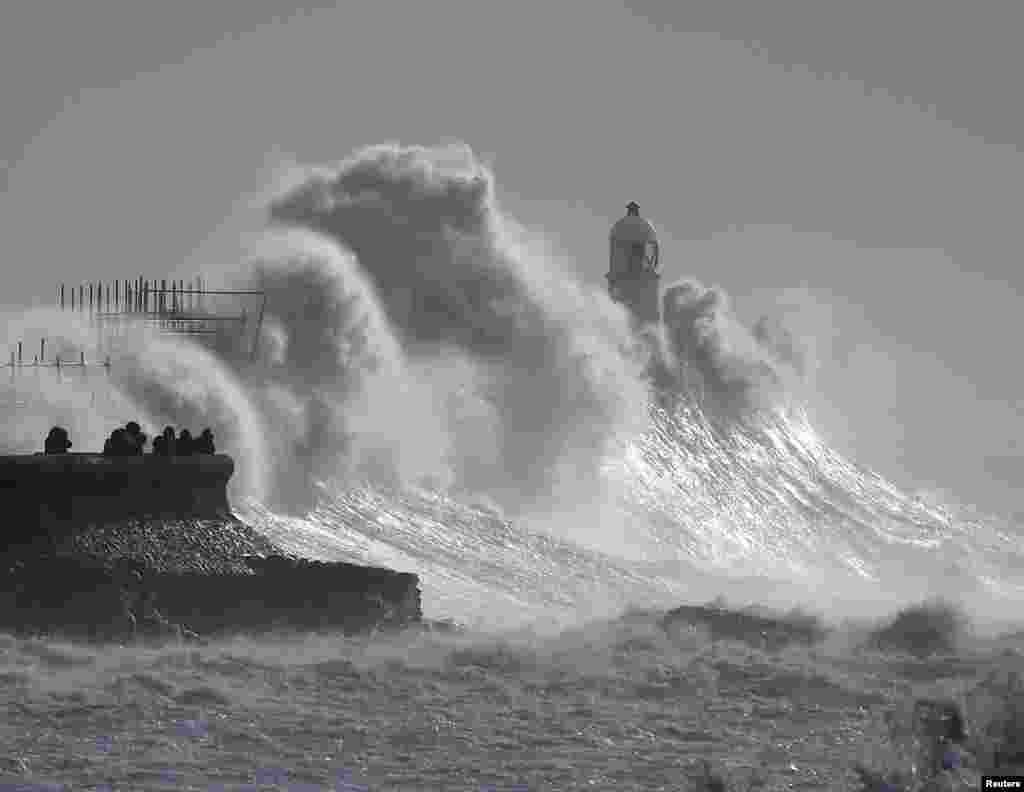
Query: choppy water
x=764, y=514
x=435, y=392
x=616, y=705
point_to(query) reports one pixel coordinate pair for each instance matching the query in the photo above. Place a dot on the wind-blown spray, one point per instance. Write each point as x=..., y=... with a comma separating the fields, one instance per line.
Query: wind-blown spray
x=153, y=379
x=544, y=381
x=422, y=354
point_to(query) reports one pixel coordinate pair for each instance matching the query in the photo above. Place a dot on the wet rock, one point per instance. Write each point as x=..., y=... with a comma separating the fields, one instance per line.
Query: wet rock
x=158, y=531
x=770, y=632
x=126, y=599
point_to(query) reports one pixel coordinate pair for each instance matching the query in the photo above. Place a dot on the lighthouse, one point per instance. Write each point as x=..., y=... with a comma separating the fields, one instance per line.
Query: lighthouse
x=633, y=265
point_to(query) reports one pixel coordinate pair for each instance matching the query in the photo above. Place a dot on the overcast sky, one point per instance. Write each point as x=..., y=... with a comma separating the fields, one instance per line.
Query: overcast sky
x=856, y=167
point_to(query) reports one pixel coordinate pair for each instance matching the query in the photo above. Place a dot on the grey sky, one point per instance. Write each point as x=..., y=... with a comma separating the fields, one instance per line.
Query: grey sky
x=855, y=165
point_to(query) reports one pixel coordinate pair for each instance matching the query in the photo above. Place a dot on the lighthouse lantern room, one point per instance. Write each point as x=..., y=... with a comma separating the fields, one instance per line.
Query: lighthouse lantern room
x=633, y=265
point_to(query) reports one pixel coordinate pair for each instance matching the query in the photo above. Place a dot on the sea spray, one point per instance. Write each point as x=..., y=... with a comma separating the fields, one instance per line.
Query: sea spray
x=455, y=280
x=422, y=354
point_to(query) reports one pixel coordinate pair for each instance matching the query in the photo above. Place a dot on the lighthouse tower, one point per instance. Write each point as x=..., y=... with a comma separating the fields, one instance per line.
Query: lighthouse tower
x=633, y=265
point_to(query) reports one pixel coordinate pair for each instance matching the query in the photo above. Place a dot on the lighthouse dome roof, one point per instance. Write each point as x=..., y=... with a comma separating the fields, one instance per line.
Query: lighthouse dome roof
x=633, y=228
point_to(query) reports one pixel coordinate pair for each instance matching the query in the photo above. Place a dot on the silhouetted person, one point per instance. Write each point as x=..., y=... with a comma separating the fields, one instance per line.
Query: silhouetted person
x=118, y=444
x=125, y=443
x=185, y=443
x=170, y=443
x=136, y=437
x=204, y=443
x=57, y=441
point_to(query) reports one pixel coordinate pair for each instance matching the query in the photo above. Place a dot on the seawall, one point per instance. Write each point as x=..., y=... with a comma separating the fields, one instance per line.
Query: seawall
x=52, y=493
x=87, y=539
x=59, y=594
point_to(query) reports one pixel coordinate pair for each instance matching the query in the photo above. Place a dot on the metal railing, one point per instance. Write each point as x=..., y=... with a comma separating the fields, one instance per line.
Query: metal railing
x=39, y=361
x=174, y=307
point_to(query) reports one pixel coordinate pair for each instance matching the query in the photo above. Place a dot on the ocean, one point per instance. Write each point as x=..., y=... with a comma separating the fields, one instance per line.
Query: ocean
x=435, y=392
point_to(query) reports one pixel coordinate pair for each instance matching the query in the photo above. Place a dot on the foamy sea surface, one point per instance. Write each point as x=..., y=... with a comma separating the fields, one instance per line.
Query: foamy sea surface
x=617, y=705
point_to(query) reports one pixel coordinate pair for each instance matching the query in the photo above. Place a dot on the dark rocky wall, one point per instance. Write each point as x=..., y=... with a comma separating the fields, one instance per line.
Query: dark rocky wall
x=55, y=594
x=290, y=593
x=86, y=535
x=49, y=494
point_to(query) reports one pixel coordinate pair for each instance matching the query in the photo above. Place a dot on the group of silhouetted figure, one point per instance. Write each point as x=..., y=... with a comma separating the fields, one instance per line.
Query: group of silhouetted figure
x=184, y=444
x=130, y=440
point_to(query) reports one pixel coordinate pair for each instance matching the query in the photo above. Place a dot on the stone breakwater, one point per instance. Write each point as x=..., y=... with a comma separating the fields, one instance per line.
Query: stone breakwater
x=60, y=594
x=52, y=494
x=104, y=548
x=186, y=545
